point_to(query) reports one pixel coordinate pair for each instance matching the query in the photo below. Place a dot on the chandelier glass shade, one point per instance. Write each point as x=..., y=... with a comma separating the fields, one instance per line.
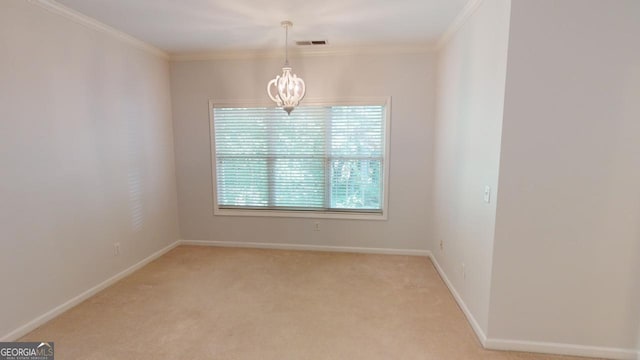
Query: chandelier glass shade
x=286, y=90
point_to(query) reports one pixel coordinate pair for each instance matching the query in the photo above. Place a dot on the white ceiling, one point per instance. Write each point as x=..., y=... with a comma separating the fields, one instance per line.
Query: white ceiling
x=188, y=26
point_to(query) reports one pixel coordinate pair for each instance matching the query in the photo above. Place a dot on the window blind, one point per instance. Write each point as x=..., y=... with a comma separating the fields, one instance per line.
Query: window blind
x=327, y=158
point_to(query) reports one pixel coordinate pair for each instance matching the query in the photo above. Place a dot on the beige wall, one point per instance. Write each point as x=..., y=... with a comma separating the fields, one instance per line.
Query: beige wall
x=407, y=78
x=471, y=78
x=86, y=158
x=567, y=244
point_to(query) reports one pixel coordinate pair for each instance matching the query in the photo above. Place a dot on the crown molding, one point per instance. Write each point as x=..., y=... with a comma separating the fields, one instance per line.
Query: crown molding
x=306, y=52
x=91, y=23
x=457, y=23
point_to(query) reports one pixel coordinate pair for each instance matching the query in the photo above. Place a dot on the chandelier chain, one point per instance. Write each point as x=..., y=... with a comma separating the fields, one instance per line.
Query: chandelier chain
x=286, y=45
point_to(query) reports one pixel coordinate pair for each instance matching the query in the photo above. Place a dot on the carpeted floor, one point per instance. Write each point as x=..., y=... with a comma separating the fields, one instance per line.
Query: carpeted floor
x=223, y=303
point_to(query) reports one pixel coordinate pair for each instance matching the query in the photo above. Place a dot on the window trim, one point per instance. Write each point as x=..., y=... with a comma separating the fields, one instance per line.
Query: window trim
x=317, y=214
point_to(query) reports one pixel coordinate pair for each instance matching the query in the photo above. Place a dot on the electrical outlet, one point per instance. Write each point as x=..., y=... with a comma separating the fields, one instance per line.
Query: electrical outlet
x=116, y=249
x=441, y=245
x=316, y=226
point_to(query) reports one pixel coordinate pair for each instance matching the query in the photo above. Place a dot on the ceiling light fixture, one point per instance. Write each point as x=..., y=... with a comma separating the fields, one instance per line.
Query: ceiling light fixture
x=286, y=90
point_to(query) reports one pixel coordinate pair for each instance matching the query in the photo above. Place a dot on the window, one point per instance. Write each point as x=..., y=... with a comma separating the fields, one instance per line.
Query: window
x=324, y=160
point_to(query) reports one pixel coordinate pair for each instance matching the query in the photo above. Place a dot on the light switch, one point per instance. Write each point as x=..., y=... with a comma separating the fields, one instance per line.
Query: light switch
x=487, y=194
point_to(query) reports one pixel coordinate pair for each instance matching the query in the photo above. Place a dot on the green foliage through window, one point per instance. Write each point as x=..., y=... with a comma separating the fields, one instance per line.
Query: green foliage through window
x=319, y=158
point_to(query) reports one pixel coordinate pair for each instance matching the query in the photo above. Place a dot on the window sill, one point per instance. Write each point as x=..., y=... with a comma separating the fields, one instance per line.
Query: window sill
x=301, y=214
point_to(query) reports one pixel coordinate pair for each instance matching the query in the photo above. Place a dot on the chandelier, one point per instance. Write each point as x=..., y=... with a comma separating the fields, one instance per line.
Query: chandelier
x=286, y=90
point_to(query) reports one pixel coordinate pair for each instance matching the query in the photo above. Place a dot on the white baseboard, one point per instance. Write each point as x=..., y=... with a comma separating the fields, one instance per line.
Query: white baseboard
x=467, y=313
x=42, y=319
x=365, y=250
x=532, y=346
x=488, y=343
x=562, y=349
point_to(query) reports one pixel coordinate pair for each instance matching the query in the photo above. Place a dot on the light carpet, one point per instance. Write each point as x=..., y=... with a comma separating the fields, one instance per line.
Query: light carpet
x=232, y=303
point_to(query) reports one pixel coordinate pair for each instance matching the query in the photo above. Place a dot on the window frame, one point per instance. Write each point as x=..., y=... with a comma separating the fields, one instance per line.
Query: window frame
x=317, y=214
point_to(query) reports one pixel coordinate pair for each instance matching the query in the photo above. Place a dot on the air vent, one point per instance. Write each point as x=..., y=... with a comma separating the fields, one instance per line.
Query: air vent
x=311, y=42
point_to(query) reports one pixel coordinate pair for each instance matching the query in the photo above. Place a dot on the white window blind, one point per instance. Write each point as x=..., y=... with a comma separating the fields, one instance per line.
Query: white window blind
x=322, y=158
